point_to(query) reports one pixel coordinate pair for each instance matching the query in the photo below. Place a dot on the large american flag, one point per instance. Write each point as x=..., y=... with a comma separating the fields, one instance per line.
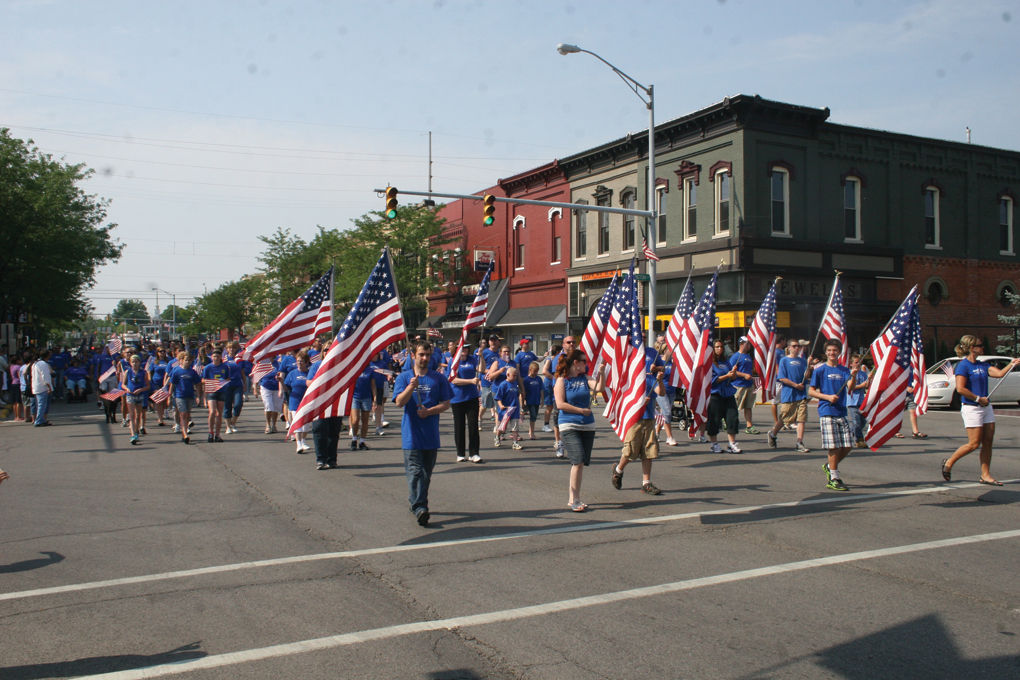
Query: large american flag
x=893, y=353
x=918, y=365
x=627, y=401
x=298, y=324
x=647, y=251
x=595, y=332
x=762, y=336
x=475, y=318
x=693, y=358
x=374, y=322
x=683, y=311
x=834, y=321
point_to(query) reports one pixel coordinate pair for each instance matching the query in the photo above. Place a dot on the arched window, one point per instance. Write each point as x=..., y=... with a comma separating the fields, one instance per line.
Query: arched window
x=628, y=198
x=935, y=291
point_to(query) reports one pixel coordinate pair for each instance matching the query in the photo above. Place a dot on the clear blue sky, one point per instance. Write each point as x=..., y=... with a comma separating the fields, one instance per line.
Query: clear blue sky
x=210, y=123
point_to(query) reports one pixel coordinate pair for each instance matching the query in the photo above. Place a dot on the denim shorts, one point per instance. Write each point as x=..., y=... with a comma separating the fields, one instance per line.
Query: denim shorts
x=183, y=404
x=138, y=399
x=485, y=395
x=362, y=404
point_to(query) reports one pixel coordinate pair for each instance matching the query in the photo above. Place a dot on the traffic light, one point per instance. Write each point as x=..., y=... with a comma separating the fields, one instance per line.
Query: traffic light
x=391, y=203
x=488, y=209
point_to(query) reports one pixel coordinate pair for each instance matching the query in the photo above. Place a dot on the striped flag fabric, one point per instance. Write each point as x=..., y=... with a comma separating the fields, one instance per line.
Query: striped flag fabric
x=647, y=251
x=374, y=322
x=893, y=354
x=261, y=370
x=210, y=385
x=115, y=345
x=834, y=322
x=693, y=356
x=113, y=395
x=108, y=373
x=160, y=395
x=595, y=331
x=684, y=309
x=917, y=364
x=505, y=420
x=629, y=394
x=434, y=332
x=762, y=336
x=947, y=368
x=475, y=318
x=298, y=324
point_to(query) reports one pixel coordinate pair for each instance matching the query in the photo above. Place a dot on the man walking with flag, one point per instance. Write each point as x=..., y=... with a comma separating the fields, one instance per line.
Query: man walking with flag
x=830, y=384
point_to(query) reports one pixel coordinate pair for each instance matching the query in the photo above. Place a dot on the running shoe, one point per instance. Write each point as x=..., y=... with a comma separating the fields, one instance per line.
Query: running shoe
x=362, y=446
x=616, y=479
x=560, y=453
x=476, y=459
x=802, y=449
x=772, y=439
x=461, y=459
x=546, y=428
x=733, y=448
x=354, y=445
x=837, y=484
x=828, y=474
x=716, y=448
x=651, y=489
x=496, y=441
x=671, y=442
x=752, y=430
x=517, y=446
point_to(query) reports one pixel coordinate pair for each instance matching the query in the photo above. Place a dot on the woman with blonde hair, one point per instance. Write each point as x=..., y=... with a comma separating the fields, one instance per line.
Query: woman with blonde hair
x=978, y=418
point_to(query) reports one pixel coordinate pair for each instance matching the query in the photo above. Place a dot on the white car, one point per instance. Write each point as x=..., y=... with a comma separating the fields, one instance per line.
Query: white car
x=942, y=387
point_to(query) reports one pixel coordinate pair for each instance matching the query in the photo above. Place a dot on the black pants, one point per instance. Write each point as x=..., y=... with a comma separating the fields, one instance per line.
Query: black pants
x=719, y=408
x=465, y=414
x=326, y=437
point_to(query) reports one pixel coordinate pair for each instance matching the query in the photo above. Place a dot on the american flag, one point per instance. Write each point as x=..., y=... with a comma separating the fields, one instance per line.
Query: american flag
x=298, y=324
x=160, y=395
x=947, y=368
x=917, y=364
x=113, y=395
x=683, y=311
x=505, y=420
x=647, y=251
x=834, y=322
x=210, y=385
x=627, y=401
x=475, y=318
x=661, y=419
x=109, y=373
x=595, y=332
x=374, y=322
x=693, y=357
x=115, y=345
x=434, y=333
x=261, y=370
x=762, y=336
x=892, y=351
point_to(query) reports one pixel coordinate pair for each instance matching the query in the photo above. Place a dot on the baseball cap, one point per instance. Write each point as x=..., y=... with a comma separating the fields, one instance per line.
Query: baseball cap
x=743, y=338
x=525, y=341
x=494, y=337
x=804, y=343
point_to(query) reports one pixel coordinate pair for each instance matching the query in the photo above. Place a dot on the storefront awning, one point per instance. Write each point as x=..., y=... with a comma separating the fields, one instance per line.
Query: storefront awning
x=534, y=316
x=430, y=321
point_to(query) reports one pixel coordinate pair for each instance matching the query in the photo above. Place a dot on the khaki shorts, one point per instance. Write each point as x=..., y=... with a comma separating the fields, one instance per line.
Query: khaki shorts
x=744, y=397
x=641, y=442
x=793, y=411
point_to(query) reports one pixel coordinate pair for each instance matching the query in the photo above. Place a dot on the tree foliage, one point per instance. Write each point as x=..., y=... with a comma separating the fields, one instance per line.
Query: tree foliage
x=230, y=306
x=130, y=312
x=52, y=235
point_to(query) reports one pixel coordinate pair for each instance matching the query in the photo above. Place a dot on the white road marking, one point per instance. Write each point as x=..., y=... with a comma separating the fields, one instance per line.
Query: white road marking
x=501, y=616
x=363, y=552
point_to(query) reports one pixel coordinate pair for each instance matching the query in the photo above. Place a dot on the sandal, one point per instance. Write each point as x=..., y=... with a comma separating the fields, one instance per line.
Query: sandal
x=919, y=435
x=989, y=482
x=899, y=435
x=578, y=506
x=946, y=474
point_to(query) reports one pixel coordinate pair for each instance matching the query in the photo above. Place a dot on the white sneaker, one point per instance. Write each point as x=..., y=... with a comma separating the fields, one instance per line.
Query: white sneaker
x=559, y=450
x=546, y=428
x=475, y=458
x=177, y=428
x=671, y=441
x=304, y=445
x=516, y=446
x=716, y=448
x=378, y=432
x=496, y=442
x=385, y=423
x=733, y=448
x=702, y=439
x=461, y=459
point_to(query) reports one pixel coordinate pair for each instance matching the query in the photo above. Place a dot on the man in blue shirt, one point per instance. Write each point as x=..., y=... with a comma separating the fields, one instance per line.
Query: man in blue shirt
x=791, y=376
x=525, y=357
x=830, y=384
x=423, y=394
x=743, y=361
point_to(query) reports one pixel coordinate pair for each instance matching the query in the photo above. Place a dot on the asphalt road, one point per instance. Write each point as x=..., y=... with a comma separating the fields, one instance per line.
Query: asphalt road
x=240, y=560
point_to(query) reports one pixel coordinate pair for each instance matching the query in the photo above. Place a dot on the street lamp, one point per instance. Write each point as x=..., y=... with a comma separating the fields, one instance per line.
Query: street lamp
x=638, y=89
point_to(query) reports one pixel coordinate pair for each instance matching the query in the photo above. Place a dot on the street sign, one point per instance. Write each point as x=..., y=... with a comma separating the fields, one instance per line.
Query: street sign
x=643, y=277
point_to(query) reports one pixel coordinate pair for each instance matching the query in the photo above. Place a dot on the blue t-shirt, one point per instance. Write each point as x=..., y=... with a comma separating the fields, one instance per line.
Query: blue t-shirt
x=652, y=358
x=667, y=378
x=444, y=367
x=287, y=364
x=269, y=381
x=524, y=359
x=744, y=364
x=831, y=380
x=856, y=398
x=434, y=360
x=297, y=381
x=433, y=389
x=236, y=375
x=508, y=394
x=363, y=385
x=577, y=393
x=75, y=373
x=184, y=381
x=791, y=368
x=649, y=412
x=214, y=372
x=977, y=378
x=158, y=373
x=532, y=390
x=134, y=380
x=488, y=356
x=722, y=388
x=501, y=378
x=467, y=370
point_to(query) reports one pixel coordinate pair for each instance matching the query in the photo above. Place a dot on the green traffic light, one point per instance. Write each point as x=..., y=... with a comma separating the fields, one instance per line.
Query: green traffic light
x=488, y=221
x=391, y=214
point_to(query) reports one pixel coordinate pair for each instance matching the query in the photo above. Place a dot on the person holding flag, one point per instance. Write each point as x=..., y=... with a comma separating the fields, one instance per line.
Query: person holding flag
x=157, y=374
x=855, y=398
x=183, y=379
x=464, y=404
x=830, y=384
x=792, y=399
x=219, y=372
x=722, y=403
x=978, y=417
x=135, y=382
x=508, y=399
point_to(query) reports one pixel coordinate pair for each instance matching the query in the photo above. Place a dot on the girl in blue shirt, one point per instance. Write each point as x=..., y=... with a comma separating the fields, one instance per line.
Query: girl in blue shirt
x=464, y=405
x=297, y=381
x=135, y=382
x=978, y=418
x=572, y=391
x=157, y=373
x=532, y=395
x=721, y=402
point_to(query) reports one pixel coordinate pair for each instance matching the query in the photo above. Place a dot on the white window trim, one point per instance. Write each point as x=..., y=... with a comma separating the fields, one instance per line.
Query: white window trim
x=660, y=194
x=1009, y=225
x=716, y=232
x=558, y=212
x=937, y=209
x=519, y=222
x=786, y=232
x=858, y=229
x=687, y=238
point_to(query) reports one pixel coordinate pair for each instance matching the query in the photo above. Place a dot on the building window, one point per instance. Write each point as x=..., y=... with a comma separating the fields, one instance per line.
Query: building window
x=661, y=225
x=1006, y=293
x=518, y=242
x=520, y=253
x=1005, y=225
x=629, y=222
x=935, y=291
x=722, y=202
x=852, y=209
x=690, y=210
x=603, y=218
x=555, y=215
x=581, y=232
x=779, y=179
x=932, y=228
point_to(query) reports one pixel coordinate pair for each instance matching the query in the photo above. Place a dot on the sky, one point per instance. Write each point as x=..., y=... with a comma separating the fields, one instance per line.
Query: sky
x=209, y=124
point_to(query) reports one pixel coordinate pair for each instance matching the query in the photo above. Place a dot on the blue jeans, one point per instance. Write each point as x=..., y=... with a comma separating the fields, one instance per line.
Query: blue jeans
x=233, y=400
x=42, y=401
x=856, y=421
x=418, y=464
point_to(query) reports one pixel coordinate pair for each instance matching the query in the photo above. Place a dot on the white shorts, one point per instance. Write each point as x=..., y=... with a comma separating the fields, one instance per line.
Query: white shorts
x=976, y=416
x=271, y=401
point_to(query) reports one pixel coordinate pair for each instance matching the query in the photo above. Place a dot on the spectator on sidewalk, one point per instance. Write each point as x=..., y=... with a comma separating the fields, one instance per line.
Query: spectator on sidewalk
x=42, y=388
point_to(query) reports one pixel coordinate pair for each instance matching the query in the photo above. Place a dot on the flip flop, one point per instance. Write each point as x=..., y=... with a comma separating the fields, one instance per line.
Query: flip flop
x=899, y=435
x=946, y=474
x=993, y=482
x=919, y=435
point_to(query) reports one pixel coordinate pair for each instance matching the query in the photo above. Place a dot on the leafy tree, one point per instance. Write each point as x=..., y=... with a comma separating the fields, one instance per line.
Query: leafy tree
x=1010, y=344
x=52, y=236
x=229, y=306
x=130, y=312
x=181, y=314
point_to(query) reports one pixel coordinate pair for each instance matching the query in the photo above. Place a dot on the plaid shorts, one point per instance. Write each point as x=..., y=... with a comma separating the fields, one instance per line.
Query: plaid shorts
x=835, y=432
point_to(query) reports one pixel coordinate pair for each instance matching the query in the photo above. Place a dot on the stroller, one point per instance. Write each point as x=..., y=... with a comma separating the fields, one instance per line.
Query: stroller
x=681, y=415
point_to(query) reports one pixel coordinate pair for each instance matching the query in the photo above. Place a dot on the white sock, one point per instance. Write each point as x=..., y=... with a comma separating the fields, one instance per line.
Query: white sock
x=834, y=474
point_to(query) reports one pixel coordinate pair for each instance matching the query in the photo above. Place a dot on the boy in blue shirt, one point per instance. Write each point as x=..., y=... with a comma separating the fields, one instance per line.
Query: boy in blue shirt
x=508, y=399
x=854, y=400
x=791, y=376
x=830, y=384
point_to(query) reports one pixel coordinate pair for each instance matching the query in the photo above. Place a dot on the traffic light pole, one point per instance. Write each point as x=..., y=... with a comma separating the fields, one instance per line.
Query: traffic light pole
x=650, y=214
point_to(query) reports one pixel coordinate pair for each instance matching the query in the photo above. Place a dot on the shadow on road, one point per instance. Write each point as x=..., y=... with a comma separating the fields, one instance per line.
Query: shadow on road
x=92, y=665
x=29, y=565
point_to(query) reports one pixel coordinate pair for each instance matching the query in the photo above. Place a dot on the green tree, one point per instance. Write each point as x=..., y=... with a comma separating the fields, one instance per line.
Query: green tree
x=172, y=312
x=52, y=236
x=131, y=312
x=230, y=306
x=1010, y=344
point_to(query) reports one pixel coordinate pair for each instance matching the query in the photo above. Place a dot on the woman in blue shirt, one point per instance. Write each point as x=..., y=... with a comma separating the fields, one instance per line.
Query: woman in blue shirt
x=135, y=382
x=271, y=402
x=978, y=418
x=157, y=373
x=297, y=381
x=572, y=391
x=464, y=405
x=721, y=403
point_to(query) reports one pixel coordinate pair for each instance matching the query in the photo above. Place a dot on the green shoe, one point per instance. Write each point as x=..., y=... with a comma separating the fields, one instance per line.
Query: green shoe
x=837, y=485
x=828, y=474
x=752, y=430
